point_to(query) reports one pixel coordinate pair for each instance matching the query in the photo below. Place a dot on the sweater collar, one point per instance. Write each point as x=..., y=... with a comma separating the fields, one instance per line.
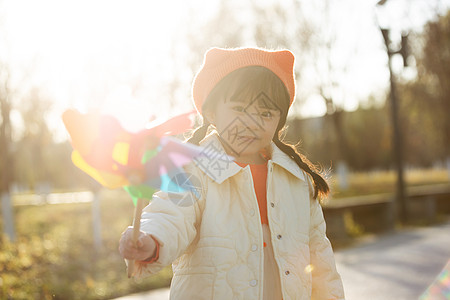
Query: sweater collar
x=219, y=166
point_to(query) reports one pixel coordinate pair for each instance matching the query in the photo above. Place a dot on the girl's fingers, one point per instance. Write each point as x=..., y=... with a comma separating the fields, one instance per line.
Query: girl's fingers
x=130, y=253
x=132, y=250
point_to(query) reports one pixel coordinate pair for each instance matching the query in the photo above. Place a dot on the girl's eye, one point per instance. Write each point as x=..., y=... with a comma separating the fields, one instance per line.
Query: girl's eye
x=238, y=108
x=266, y=114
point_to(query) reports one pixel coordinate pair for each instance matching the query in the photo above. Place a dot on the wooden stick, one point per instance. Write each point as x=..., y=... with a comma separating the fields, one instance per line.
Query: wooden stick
x=136, y=231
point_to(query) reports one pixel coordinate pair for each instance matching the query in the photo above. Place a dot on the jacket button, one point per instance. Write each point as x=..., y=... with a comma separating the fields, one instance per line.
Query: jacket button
x=279, y=236
x=287, y=272
x=254, y=247
x=252, y=212
x=272, y=204
x=253, y=282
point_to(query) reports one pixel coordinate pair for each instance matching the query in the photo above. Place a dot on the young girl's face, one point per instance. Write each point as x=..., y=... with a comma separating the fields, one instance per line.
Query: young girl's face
x=246, y=126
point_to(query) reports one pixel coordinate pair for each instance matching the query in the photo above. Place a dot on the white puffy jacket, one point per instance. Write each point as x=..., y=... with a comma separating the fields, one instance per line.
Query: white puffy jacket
x=214, y=238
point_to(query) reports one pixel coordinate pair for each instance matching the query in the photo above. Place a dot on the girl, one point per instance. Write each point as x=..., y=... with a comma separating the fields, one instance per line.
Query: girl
x=254, y=228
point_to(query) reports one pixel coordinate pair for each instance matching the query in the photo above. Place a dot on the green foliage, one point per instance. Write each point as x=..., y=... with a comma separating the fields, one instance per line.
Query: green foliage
x=55, y=258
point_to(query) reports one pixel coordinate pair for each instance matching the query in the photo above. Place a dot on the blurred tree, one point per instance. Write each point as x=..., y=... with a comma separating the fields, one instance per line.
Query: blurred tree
x=286, y=25
x=328, y=68
x=6, y=163
x=367, y=130
x=196, y=34
x=39, y=162
x=368, y=133
x=273, y=25
x=427, y=97
x=35, y=145
x=279, y=25
x=223, y=29
x=422, y=135
x=434, y=69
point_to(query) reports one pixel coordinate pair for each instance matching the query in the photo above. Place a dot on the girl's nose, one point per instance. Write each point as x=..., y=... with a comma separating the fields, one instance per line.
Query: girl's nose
x=249, y=122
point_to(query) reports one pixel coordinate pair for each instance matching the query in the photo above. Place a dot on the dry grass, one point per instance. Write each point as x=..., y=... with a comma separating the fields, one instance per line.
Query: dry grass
x=378, y=182
x=54, y=256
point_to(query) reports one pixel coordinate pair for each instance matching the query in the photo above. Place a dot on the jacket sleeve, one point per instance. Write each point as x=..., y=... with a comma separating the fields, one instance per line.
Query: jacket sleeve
x=171, y=219
x=326, y=282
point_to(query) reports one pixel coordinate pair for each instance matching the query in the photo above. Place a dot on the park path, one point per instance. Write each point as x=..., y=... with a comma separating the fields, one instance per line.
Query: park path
x=53, y=198
x=399, y=265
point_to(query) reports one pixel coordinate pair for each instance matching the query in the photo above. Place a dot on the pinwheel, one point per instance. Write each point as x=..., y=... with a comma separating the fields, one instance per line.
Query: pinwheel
x=140, y=162
x=115, y=157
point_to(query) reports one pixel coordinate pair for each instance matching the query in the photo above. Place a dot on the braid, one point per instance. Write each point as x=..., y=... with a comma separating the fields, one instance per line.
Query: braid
x=199, y=134
x=321, y=187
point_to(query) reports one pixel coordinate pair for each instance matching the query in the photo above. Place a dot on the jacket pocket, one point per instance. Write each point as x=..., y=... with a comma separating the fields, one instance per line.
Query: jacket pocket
x=214, y=252
x=193, y=283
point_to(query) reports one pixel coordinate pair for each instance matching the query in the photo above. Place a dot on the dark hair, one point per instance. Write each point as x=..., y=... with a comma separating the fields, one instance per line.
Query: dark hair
x=241, y=84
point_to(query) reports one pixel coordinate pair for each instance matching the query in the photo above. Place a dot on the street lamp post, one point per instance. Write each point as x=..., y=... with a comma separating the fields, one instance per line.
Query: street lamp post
x=400, y=203
x=397, y=137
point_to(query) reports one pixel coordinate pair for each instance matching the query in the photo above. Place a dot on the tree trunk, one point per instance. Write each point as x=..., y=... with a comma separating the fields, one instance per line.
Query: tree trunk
x=6, y=168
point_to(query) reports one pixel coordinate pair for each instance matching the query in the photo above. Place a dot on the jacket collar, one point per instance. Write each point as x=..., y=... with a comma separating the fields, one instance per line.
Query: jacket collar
x=283, y=160
x=219, y=166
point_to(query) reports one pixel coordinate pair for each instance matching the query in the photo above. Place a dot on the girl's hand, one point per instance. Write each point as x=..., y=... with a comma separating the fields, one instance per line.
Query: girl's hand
x=143, y=249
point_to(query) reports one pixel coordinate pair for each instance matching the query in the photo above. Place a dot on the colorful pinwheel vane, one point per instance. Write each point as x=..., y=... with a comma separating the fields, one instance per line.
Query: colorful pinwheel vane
x=140, y=162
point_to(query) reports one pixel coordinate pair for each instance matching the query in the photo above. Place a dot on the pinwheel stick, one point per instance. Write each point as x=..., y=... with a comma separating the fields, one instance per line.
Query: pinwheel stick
x=136, y=229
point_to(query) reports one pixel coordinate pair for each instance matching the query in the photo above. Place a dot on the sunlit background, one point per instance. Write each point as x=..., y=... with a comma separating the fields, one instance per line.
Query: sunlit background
x=136, y=61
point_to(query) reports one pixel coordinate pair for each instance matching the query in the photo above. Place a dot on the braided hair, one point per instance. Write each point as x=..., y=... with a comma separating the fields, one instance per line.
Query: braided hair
x=199, y=133
x=321, y=187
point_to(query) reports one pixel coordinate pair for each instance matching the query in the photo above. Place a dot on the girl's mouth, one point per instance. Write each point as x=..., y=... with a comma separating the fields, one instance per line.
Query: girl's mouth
x=246, y=138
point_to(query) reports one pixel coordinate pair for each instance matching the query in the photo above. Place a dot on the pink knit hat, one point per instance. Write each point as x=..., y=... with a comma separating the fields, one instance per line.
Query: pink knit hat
x=220, y=62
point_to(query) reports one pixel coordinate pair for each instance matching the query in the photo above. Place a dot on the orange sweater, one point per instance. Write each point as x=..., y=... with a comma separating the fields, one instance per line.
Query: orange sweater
x=259, y=174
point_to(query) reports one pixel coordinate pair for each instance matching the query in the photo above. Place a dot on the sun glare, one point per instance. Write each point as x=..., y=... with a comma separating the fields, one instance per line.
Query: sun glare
x=95, y=55
x=117, y=57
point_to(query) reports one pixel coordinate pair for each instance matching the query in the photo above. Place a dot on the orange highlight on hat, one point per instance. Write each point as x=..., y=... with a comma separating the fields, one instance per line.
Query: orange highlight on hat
x=219, y=62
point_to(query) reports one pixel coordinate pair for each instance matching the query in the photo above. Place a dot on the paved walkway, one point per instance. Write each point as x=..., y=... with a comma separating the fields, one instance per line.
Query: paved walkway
x=398, y=265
